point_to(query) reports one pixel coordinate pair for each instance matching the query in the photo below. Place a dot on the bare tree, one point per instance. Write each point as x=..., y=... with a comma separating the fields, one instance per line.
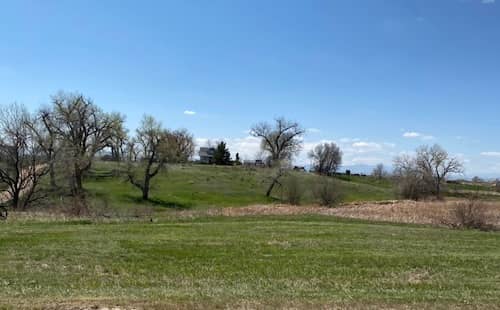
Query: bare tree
x=151, y=145
x=43, y=128
x=497, y=185
x=327, y=158
x=411, y=183
x=84, y=130
x=118, y=142
x=426, y=172
x=436, y=164
x=181, y=146
x=379, y=172
x=21, y=165
x=275, y=178
x=281, y=141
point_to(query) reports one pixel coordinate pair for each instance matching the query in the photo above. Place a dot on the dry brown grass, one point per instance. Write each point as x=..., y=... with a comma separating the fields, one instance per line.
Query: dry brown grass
x=433, y=213
x=411, y=212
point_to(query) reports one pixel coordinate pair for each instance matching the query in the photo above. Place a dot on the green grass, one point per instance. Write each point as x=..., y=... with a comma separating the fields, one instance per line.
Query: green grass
x=302, y=262
x=200, y=186
x=471, y=187
x=386, y=183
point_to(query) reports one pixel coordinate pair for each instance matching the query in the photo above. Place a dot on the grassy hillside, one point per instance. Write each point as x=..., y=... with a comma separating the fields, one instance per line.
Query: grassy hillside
x=301, y=262
x=204, y=186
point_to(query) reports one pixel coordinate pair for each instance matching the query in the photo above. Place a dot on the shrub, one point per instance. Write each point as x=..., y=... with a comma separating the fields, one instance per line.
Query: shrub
x=293, y=190
x=469, y=215
x=327, y=192
x=413, y=186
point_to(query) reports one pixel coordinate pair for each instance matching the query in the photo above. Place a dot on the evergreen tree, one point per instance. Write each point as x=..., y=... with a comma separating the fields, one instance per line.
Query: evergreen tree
x=222, y=155
x=237, y=160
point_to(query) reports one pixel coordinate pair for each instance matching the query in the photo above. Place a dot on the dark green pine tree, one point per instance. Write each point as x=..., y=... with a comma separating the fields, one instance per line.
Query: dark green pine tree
x=237, y=160
x=222, y=155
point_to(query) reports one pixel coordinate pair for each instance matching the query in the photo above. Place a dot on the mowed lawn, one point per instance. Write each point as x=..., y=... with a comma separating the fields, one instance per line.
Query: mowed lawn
x=303, y=262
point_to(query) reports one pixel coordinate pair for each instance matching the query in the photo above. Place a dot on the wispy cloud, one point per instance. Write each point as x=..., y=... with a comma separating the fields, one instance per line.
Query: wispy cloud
x=487, y=1
x=411, y=134
x=491, y=154
x=313, y=130
x=189, y=112
x=414, y=135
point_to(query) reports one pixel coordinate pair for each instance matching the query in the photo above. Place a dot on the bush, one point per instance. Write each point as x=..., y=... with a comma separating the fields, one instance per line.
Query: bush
x=413, y=187
x=293, y=190
x=469, y=215
x=327, y=192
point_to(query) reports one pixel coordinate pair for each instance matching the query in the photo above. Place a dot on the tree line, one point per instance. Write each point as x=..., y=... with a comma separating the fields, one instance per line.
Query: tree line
x=65, y=137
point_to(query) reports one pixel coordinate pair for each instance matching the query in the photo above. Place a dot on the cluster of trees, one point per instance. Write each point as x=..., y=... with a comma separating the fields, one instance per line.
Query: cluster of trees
x=425, y=173
x=416, y=176
x=68, y=133
x=66, y=137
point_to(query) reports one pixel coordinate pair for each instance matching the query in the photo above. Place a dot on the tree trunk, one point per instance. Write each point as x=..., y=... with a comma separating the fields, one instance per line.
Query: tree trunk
x=78, y=182
x=145, y=189
x=52, y=173
x=15, y=199
x=438, y=186
x=270, y=189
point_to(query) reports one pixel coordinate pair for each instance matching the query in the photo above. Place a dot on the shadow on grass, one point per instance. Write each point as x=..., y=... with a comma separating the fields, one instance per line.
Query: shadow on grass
x=157, y=202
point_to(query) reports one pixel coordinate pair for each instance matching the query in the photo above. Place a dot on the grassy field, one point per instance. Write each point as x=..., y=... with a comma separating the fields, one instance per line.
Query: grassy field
x=291, y=261
x=201, y=186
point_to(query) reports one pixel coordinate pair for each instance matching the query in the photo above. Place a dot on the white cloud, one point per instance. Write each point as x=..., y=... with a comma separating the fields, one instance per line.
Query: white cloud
x=491, y=154
x=349, y=140
x=487, y=1
x=189, y=112
x=414, y=135
x=411, y=134
x=313, y=130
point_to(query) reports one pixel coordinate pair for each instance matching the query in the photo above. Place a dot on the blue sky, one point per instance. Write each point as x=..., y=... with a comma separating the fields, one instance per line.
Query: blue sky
x=377, y=77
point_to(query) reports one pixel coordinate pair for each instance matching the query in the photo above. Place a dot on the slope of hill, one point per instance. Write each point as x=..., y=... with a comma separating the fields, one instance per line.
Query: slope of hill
x=205, y=186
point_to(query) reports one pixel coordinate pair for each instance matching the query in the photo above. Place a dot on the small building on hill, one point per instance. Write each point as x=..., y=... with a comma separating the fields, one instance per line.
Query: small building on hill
x=206, y=155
